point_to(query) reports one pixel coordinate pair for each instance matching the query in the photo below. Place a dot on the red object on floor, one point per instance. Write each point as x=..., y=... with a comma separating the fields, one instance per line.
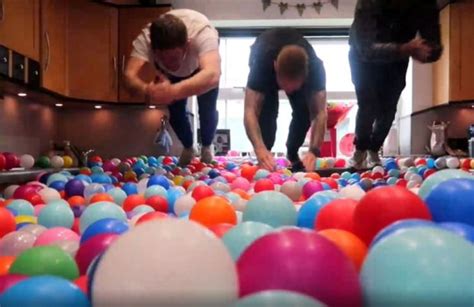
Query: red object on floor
x=329, y=147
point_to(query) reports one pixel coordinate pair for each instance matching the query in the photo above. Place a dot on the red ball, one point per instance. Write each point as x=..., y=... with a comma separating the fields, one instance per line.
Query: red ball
x=420, y=162
x=337, y=214
x=95, y=159
x=264, y=185
x=7, y=222
x=331, y=182
x=133, y=201
x=220, y=229
x=465, y=164
x=201, y=192
x=25, y=191
x=382, y=206
x=12, y=160
x=151, y=216
x=3, y=162
x=81, y=282
x=92, y=248
x=335, y=176
x=401, y=183
x=34, y=199
x=366, y=175
x=158, y=203
x=75, y=225
x=167, y=160
x=428, y=173
x=85, y=171
x=375, y=176
x=340, y=163
x=199, y=166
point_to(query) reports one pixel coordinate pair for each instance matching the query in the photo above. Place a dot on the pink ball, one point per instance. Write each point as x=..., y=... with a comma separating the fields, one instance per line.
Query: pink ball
x=302, y=261
x=92, y=248
x=56, y=234
x=240, y=183
x=108, y=166
x=7, y=281
x=38, y=209
x=276, y=178
x=312, y=187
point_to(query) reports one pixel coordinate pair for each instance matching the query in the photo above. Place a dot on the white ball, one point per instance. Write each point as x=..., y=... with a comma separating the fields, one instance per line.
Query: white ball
x=220, y=186
x=353, y=192
x=57, y=162
x=411, y=184
x=48, y=195
x=142, y=186
x=378, y=169
x=299, y=175
x=184, y=204
x=239, y=216
x=452, y=162
x=115, y=161
x=440, y=163
x=416, y=178
x=27, y=161
x=174, y=263
x=8, y=193
x=291, y=189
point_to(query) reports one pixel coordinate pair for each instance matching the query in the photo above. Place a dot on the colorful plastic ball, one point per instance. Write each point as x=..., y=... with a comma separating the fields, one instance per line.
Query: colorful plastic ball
x=9, y=280
x=308, y=267
x=56, y=234
x=34, y=229
x=22, y=192
x=278, y=298
x=416, y=267
x=3, y=161
x=118, y=195
x=7, y=222
x=49, y=195
x=151, y=216
x=213, y=210
x=439, y=177
x=43, y=162
x=56, y=214
x=27, y=161
x=68, y=161
x=272, y=208
x=264, y=185
x=16, y=242
x=108, y=225
x=158, y=203
x=98, y=211
x=382, y=206
x=57, y=162
x=309, y=211
x=184, y=204
x=141, y=209
x=337, y=214
x=130, y=188
x=464, y=230
x=159, y=180
x=240, y=183
x=133, y=201
x=400, y=226
x=292, y=190
x=172, y=267
x=452, y=201
x=21, y=207
x=201, y=192
x=44, y=291
x=91, y=248
x=5, y=264
x=101, y=197
x=155, y=190
x=45, y=260
x=12, y=160
x=311, y=188
x=221, y=229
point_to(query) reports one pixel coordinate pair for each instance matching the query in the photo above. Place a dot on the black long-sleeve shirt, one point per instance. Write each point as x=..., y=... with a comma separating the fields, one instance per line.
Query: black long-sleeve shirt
x=381, y=26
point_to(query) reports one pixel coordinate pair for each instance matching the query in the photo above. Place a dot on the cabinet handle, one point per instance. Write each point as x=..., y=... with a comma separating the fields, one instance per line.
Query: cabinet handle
x=114, y=76
x=2, y=11
x=123, y=64
x=48, y=53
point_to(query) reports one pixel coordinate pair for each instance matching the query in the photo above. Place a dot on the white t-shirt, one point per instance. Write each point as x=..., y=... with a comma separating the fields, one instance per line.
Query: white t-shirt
x=202, y=35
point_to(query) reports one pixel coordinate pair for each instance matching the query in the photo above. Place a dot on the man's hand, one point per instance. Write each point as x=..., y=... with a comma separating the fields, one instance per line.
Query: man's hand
x=161, y=92
x=309, y=161
x=265, y=159
x=418, y=49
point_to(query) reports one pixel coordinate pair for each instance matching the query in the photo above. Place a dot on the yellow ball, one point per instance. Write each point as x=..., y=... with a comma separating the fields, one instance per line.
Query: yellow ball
x=178, y=180
x=25, y=219
x=287, y=172
x=68, y=162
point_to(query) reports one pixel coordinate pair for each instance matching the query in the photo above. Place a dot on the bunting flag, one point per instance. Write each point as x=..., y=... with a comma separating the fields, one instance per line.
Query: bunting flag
x=300, y=7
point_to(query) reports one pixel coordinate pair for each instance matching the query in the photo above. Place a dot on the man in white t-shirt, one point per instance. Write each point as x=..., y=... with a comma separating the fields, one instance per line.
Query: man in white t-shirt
x=183, y=47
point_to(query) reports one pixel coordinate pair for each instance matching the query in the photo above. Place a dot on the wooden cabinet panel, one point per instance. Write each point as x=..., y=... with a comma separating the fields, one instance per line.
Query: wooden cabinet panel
x=131, y=22
x=92, y=51
x=441, y=73
x=53, y=45
x=19, y=26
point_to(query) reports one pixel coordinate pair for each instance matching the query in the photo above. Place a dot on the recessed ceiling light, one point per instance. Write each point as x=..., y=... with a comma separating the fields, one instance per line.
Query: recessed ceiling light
x=152, y=107
x=59, y=105
x=22, y=94
x=98, y=107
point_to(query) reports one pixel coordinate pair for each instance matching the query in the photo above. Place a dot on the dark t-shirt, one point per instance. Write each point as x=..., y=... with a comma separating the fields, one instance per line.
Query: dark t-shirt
x=264, y=52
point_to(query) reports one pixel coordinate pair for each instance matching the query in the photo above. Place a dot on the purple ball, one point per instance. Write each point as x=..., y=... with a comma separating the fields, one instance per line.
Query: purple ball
x=74, y=187
x=302, y=261
x=312, y=187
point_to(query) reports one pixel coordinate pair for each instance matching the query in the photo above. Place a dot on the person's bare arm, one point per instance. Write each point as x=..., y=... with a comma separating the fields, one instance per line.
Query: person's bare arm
x=253, y=107
x=318, y=111
x=205, y=80
x=133, y=82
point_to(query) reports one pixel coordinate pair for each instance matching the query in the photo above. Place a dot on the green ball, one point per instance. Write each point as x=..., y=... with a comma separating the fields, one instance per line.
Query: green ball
x=43, y=162
x=45, y=260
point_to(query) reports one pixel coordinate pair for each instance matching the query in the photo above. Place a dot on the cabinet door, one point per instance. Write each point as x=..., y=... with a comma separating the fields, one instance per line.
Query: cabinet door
x=92, y=51
x=19, y=26
x=53, y=45
x=132, y=21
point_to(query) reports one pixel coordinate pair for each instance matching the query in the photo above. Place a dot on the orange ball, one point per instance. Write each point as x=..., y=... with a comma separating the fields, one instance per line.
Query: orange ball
x=151, y=216
x=76, y=201
x=101, y=197
x=314, y=176
x=133, y=201
x=186, y=184
x=62, y=194
x=220, y=229
x=81, y=282
x=85, y=171
x=5, y=264
x=248, y=171
x=213, y=210
x=350, y=245
x=242, y=193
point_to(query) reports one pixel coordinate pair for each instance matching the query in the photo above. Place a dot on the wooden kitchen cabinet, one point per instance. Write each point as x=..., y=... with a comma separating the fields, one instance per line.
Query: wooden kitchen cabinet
x=19, y=26
x=53, y=45
x=453, y=74
x=92, y=51
x=131, y=22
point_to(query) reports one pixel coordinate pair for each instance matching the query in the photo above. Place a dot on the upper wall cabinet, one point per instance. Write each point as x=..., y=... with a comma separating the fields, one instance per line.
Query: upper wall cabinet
x=453, y=74
x=19, y=26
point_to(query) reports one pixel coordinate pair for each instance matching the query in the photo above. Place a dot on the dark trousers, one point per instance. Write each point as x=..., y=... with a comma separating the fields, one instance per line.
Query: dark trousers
x=208, y=117
x=378, y=88
x=299, y=126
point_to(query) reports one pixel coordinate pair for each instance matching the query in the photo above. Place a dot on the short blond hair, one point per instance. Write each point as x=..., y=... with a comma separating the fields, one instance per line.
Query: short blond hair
x=292, y=62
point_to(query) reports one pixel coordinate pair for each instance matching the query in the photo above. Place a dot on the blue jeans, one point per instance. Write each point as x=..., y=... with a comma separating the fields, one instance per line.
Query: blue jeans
x=208, y=116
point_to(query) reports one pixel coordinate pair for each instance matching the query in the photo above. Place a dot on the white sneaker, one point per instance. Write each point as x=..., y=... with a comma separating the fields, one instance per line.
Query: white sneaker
x=373, y=159
x=358, y=160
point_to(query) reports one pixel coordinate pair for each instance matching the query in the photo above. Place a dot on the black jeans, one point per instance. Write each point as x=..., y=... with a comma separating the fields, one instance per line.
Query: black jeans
x=378, y=88
x=299, y=125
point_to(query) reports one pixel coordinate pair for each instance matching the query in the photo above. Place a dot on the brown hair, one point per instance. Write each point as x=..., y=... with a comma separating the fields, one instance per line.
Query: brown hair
x=292, y=62
x=168, y=32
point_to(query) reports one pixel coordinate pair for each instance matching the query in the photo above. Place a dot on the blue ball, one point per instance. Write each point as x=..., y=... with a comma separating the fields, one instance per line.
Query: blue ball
x=430, y=163
x=310, y=209
x=464, y=230
x=100, y=210
x=159, y=180
x=355, y=176
x=139, y=171
x=107, y=225
x=56, y=177
x=84, y=178
x=342, y=182
x=97, y=170
x=391, y=165
x=230, y=166
x=21, y=207
x=400, y=226
x=44, y=291
x=118, y=195
x=56, y=214
x=101, y=178
x=57, y=185
x=452, y=201
x=173, y=195
x=130, y=188
x=242, y=236
x=394, y=173
x=213, y=173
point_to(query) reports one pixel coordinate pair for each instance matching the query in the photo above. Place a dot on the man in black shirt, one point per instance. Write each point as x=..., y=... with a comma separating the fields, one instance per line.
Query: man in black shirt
x=383, y=38
x=283, y=59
